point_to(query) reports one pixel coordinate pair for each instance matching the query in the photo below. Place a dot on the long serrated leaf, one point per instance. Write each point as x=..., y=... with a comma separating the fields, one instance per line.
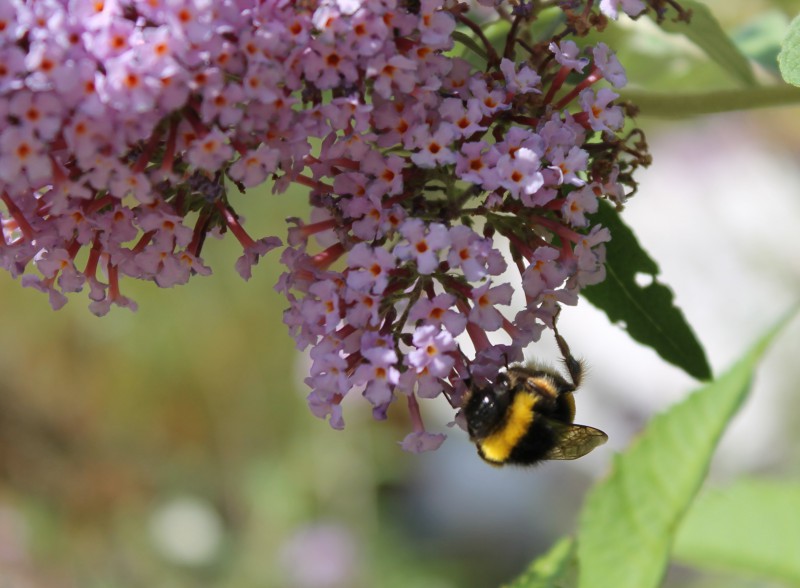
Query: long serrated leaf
x=648, y=312
x=629, y=521
x=751, y=527
x=554, y=569
x=789, y=57
x=705, y=31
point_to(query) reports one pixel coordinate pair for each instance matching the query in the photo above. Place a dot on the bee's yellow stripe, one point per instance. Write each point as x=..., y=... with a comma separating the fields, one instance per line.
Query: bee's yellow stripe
x=498, y=446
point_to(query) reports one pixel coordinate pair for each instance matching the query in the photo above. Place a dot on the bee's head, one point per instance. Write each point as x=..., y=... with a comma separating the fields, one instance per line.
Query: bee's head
x=486, y=407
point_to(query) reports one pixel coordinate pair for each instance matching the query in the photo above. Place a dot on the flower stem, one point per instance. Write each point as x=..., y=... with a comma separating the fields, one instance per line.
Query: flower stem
x=666, y=105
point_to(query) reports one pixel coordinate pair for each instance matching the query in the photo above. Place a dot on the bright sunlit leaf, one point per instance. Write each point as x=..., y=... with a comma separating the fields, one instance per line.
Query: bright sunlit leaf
x=750, y=527
x=789, y=57
x=554, y=569
x=629, y=520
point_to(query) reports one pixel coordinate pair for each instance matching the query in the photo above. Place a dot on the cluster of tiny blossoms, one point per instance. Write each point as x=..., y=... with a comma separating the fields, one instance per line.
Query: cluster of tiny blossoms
x=124, y=123
x=439, y=172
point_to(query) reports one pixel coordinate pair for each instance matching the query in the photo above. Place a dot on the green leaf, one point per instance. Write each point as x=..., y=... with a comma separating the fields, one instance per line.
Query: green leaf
x=751, y=527
x=648, y=312
x=629, y=521
x=789, y=57
x=705, y=31
x=554, y=569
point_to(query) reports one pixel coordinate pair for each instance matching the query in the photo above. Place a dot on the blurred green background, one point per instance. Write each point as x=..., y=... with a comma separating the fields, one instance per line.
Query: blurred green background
x=173, y=447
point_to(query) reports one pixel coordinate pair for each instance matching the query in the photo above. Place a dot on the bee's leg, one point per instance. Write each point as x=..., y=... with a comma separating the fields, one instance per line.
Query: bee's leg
x=465, y=359
x=574, y=366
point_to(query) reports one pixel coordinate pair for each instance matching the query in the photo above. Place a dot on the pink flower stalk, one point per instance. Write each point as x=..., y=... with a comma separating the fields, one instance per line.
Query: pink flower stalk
x=123, y=118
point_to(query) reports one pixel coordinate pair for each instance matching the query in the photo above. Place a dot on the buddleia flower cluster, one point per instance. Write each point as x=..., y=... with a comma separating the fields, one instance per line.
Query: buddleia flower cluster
x=443, y=178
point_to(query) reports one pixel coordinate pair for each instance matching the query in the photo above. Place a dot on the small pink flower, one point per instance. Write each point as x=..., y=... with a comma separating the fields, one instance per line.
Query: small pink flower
x=421, y=441
x=566, y=53
x=423, y=242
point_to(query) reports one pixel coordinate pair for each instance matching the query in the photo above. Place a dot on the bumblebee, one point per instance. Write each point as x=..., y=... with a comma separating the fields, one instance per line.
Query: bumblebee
x=527, y=416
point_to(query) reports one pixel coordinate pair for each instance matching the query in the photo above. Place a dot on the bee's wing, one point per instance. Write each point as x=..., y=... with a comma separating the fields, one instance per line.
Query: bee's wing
x=575, y=441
